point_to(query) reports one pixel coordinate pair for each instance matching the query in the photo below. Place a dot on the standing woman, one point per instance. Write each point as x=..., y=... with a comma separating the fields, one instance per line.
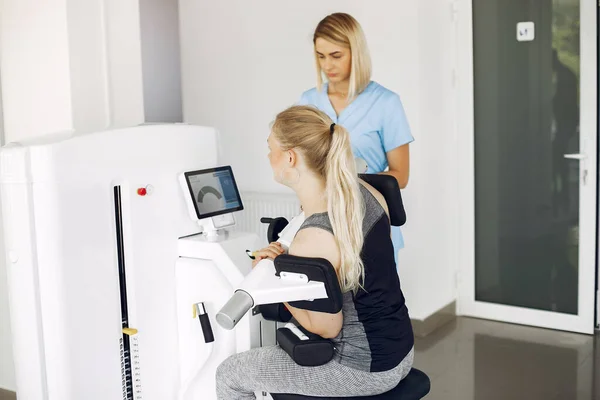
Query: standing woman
x=374, y=115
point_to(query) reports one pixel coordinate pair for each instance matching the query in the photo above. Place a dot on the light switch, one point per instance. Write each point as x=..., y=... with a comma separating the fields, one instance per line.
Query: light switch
x=525, y=31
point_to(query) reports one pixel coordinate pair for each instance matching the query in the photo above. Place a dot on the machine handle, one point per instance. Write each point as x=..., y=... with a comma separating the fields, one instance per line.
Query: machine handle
x=206, y=328
x=266, y=220
x=575, y=156
x=200, y=310
x=233, y=311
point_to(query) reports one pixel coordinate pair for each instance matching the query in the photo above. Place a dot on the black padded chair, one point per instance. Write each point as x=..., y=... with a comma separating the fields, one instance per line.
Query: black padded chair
x=390, y=189
x=416, y=385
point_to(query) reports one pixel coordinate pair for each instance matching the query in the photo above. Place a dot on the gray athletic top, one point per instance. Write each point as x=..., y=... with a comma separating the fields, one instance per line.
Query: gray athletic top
x=377, y=333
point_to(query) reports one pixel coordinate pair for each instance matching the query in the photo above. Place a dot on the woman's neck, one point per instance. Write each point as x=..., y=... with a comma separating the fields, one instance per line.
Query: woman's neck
x=340, y=88
x=311, y=192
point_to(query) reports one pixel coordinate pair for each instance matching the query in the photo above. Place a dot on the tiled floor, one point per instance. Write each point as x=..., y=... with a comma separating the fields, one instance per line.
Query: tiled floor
x=472, y=359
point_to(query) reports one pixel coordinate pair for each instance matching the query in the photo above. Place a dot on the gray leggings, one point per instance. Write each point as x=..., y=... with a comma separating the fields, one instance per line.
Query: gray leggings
x=272, y=370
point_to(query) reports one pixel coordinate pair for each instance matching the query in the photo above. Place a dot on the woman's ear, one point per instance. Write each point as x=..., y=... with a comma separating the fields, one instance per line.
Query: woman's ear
x=292, y=158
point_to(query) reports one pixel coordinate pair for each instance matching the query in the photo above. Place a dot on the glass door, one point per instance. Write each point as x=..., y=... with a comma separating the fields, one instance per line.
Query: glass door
x=534, y=81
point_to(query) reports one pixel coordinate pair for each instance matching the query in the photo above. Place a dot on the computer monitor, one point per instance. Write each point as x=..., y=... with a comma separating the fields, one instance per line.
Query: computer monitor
x=213, y=192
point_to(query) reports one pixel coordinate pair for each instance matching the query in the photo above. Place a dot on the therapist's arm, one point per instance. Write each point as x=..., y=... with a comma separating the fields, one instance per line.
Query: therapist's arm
x=396, y=137
x=399, y=165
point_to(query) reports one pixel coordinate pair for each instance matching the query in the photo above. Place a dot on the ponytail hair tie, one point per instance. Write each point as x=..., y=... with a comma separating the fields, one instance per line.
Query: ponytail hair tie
x=332, y=128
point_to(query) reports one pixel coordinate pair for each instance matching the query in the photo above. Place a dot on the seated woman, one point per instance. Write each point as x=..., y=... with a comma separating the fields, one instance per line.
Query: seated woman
x=346, y=223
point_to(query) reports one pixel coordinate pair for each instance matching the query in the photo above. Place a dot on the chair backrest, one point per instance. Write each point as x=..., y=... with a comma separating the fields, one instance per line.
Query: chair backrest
x=388, y=186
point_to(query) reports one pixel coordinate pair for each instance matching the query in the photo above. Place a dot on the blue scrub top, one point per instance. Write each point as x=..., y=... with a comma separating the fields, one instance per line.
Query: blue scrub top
x=377, y=124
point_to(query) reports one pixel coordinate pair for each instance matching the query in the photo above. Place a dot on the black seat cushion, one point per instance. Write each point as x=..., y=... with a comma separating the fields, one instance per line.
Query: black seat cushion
x=415, y=386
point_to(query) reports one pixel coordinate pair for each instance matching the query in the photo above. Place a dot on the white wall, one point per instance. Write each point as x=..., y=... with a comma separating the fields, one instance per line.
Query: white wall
x=242, y=62
x=123, y=62
x=159, y=24
x=87, y=68
x=43, y=100
x=7, y=373
x=429, y=263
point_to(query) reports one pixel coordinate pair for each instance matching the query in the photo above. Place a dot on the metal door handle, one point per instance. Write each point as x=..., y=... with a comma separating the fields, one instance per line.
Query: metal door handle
x=575, y=156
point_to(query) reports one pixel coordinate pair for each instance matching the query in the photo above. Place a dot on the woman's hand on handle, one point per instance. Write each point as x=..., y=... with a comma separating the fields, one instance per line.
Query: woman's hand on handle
x=273, y=250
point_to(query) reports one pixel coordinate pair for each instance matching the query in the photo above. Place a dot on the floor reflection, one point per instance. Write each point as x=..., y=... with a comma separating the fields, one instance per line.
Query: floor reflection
x=485, y=360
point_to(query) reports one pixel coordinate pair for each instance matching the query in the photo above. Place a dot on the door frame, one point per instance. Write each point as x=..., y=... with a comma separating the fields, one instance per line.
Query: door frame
x=466, y=303
x=597, y=322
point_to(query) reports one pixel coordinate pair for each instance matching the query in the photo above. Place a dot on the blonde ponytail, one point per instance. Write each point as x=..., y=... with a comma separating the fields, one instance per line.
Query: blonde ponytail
x=346, y=209
x=328, y=153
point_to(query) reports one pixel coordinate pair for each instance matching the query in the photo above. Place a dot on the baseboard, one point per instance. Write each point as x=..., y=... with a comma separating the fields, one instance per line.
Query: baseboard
x=422, y=328
x=7, y=395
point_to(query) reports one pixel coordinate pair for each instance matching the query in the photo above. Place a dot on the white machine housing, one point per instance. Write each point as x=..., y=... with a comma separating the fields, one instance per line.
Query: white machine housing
x=93, y=217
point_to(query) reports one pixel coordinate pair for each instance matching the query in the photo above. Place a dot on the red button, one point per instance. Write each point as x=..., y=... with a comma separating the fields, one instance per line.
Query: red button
x=142, y=191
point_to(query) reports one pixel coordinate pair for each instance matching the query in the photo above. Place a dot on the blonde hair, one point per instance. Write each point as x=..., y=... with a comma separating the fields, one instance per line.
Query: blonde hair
x=343, y=30
x=329, y=155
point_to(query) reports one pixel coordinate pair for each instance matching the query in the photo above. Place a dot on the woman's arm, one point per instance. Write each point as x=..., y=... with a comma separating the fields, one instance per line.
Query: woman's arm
x=316, y=242
x=399, y=165
x=395, y=137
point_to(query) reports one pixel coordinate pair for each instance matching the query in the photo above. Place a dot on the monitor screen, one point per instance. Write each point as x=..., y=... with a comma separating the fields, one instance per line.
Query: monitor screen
x=214, y=191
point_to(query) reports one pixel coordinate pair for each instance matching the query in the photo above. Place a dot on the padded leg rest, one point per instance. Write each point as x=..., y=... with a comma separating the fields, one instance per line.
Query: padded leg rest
x=308, y=353
x=415, y=386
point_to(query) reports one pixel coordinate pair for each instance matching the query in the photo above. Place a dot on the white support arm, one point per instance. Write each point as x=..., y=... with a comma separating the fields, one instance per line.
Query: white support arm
x=262, y=286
